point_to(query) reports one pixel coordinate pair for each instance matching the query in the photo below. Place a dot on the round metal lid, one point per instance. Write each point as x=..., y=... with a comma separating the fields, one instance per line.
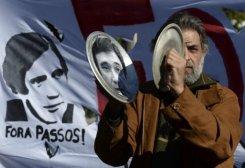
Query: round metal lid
x=170, y=37
x=112, y=67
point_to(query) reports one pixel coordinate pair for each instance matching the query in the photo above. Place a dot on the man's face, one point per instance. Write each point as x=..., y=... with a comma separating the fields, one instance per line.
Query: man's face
x=42, y=80
x=194, y=55
x=110, y=67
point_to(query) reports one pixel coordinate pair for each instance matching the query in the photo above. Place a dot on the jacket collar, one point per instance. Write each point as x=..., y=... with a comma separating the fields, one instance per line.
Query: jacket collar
x=203, y=82
x=206, y=90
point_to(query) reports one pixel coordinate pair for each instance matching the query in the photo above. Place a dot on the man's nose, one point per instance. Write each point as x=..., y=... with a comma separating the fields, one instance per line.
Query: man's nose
x=187, y=54
x=51, y=92
x=115, y=77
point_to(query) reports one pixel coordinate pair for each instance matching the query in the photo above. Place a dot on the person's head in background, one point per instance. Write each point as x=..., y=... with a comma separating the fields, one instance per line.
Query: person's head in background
x=195, y=43
x=109, y=61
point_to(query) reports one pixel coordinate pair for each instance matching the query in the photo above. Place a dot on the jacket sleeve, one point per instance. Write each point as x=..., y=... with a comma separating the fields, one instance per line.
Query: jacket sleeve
x=116, y=143
x=213, y=131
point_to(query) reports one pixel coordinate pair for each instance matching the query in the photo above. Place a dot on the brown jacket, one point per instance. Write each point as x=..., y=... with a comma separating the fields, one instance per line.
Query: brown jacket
x=207, y=121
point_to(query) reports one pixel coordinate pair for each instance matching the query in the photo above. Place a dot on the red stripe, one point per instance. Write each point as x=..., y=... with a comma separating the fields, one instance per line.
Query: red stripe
x=92, y=15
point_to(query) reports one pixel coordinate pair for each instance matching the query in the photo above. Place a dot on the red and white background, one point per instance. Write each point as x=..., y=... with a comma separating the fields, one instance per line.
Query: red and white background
x=22, y=143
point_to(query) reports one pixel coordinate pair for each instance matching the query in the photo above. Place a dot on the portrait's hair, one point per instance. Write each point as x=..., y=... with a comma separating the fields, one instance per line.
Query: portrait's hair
x=105, y=45
x=186, y=21
x=22, y=50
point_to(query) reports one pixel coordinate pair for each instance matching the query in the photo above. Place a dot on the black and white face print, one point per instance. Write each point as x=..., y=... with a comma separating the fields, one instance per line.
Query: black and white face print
x=112, y=66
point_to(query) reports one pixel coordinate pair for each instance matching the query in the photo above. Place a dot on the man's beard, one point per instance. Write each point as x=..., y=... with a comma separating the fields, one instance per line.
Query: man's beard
x=194, y=76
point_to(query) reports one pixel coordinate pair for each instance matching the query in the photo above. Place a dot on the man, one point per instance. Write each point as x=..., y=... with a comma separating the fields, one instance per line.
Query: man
x=195, y=124
x=35, y=71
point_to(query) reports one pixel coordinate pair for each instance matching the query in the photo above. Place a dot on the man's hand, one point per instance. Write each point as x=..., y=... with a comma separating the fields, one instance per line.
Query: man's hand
x=114, y=109
x=174, y=71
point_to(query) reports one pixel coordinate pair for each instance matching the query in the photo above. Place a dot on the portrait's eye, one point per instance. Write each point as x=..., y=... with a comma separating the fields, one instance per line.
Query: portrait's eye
x=57, y=73
x=37, y=84
x=105, y=66
x=37, y=81
x=117, y=67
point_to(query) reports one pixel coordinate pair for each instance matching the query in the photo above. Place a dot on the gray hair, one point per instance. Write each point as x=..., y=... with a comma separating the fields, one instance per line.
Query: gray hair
x=186, y=21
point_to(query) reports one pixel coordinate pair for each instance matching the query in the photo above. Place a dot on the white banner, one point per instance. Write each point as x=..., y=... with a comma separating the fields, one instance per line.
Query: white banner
x=48, y=94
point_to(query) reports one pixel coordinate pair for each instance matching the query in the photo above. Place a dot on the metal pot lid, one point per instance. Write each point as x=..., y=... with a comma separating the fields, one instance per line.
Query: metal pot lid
x=170, y=37
x=112, y=66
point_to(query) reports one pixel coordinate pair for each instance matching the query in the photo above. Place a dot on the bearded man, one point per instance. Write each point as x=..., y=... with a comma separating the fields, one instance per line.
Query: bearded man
x=194, y=124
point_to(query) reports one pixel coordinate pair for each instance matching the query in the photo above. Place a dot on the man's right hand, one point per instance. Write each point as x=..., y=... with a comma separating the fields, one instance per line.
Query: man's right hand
x=114, y=111
x=174, y=69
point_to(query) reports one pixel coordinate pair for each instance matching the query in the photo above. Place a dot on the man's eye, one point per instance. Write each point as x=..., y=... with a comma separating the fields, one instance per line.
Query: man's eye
x=192, y=49
x=105, y=67
x=117, y=69
x=57, y=73
x=36, y=84
x=38, y=80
